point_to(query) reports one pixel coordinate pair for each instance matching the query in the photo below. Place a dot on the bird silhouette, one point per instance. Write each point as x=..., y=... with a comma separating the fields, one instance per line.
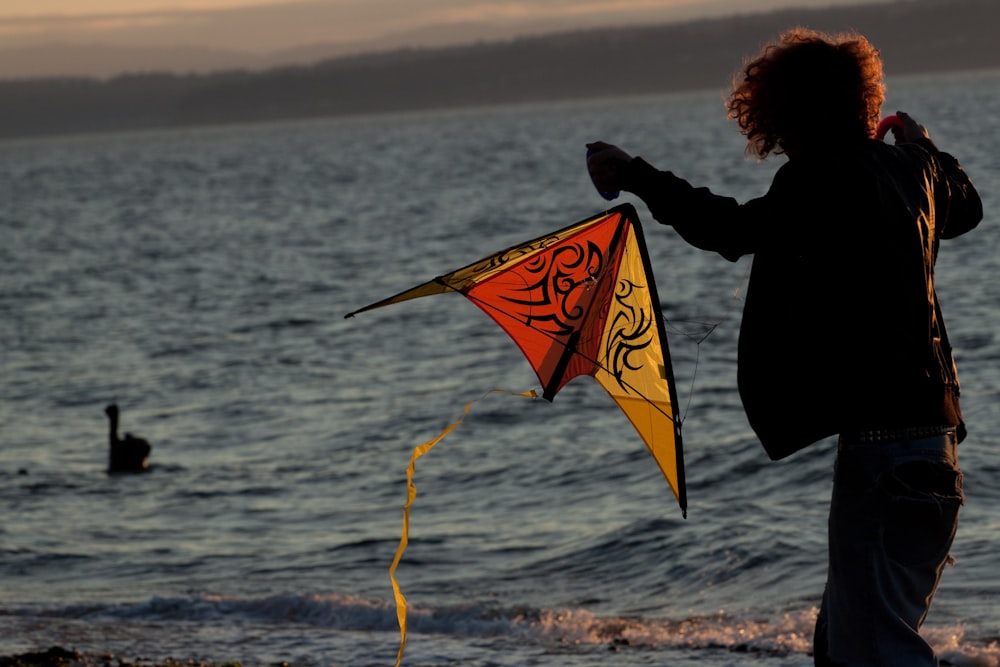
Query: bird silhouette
x=128, y=454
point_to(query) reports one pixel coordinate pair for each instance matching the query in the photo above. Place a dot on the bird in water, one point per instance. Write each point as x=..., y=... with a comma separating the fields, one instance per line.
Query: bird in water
x=128, y=454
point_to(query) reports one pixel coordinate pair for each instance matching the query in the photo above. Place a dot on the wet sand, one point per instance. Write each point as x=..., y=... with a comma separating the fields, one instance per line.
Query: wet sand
x=58, y=656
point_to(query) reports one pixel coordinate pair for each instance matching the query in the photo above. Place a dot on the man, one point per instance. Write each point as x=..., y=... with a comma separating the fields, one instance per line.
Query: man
x=842, y=333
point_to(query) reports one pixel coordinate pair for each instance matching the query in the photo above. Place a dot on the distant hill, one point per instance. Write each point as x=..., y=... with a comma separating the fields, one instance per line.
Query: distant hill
x=913, y=35
x=43, y=60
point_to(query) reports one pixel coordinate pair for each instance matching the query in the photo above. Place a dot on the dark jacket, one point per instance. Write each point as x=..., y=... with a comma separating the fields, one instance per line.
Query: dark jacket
x=841, y=329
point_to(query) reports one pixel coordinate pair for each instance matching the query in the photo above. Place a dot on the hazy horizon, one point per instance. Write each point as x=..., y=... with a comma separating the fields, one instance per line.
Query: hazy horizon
x=107, y=37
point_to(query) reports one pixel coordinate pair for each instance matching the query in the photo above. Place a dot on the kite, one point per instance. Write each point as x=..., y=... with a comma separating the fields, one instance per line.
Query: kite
x=582, y=301
x=577, y=301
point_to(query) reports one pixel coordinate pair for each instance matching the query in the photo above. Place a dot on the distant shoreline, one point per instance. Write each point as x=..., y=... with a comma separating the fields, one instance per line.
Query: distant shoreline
x=915, y=36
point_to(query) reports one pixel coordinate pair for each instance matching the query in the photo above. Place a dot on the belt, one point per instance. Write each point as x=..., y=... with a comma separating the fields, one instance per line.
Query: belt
x=895, y=434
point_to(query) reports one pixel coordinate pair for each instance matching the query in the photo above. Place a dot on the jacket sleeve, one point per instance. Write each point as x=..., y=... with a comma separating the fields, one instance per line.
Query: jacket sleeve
x=958, y=207
x=704, y=219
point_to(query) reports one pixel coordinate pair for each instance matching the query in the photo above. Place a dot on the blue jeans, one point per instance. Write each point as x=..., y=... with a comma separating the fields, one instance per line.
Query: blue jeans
x=892, y=522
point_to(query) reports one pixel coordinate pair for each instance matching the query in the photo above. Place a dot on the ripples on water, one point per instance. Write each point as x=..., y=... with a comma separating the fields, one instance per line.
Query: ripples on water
x=199, y=279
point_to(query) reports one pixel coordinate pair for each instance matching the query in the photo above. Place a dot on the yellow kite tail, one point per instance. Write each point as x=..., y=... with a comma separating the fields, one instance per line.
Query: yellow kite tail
x=411, y=494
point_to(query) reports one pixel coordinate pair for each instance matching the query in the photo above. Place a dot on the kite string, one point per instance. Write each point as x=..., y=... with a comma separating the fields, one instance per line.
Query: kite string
x=411, y=494
x=709, y=329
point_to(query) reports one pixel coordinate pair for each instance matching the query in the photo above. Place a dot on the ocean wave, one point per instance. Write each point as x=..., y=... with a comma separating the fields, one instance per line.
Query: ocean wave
x=787, y=634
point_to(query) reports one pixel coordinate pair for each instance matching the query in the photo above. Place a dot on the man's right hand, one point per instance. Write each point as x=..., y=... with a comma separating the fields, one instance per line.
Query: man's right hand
x=606, y=164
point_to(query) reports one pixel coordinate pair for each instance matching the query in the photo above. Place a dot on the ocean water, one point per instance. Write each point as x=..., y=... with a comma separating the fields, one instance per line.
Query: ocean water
x=199, y=278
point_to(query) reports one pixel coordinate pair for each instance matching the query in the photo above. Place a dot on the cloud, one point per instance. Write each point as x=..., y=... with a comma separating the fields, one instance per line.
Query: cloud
x=270, y=28
x=280, y=25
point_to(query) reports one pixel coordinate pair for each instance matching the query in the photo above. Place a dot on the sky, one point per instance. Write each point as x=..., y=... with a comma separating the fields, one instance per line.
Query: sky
x=263, y=27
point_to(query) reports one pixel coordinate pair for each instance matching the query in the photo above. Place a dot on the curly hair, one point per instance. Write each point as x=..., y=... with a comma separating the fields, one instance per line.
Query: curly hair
x=808, y=88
